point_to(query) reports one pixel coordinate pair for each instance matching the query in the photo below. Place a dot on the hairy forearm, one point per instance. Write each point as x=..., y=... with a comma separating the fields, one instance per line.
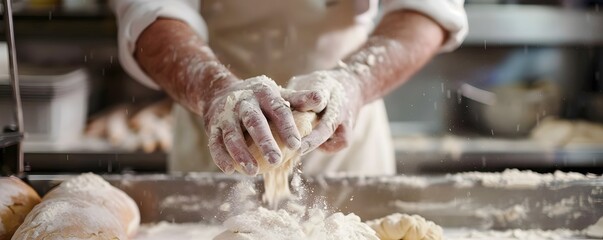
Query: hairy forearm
x=401, y=44
x=181, y=63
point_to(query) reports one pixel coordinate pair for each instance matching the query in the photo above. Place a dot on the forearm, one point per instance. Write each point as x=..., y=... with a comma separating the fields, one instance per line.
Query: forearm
x=181, y=63
x=401, y=44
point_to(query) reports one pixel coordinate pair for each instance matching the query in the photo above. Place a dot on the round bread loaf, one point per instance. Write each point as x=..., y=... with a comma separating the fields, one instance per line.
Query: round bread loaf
x=16, y=201
x=84, y=207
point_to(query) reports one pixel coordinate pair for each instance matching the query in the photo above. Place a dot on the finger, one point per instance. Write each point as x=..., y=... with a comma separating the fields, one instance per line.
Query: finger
x=218, y=152
x=338, y=141
x=235, y=144
x=257, y=126
x=281, y=116
x=306, y=100
x=321, y=133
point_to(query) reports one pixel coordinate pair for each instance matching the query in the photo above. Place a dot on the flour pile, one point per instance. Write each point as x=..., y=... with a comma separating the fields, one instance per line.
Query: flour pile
x=266, y=224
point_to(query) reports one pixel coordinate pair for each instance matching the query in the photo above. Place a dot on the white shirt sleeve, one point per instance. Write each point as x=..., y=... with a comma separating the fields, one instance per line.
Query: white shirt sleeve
x=134, y=16
x=450, y=14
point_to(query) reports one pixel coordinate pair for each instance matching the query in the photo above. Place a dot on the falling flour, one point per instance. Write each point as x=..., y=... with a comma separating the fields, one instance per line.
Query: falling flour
x=276, y=178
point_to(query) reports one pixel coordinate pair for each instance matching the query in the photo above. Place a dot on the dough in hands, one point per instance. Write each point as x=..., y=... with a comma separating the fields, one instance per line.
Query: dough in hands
x=84, y=207
x=16, y=201
x=276, y=177
x=405, y=227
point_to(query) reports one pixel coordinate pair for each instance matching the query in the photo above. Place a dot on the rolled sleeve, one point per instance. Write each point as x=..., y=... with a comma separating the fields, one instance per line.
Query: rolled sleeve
x=134, y=16
x=450, y=14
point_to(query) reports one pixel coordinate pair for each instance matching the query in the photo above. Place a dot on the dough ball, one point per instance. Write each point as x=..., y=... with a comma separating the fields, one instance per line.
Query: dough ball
x=94, y=189
x=406, y=227
x=16, y=201
x=70, y=218
x=84, y=207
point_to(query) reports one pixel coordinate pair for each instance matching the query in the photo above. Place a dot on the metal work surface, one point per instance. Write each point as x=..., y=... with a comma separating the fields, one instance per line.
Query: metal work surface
x=453, y=201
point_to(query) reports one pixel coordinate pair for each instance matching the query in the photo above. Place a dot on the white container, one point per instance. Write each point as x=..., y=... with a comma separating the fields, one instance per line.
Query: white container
x=54, y=103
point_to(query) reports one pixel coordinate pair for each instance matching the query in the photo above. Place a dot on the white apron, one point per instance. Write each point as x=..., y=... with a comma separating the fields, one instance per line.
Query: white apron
x=282, y=39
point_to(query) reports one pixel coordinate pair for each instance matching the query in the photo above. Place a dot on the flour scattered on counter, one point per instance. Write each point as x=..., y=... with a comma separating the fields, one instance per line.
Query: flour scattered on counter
x=177, y=231
x=267, y=224
x=515, y=179
x=563, y=207
x=186, y=203
x=431, y=207
x=489, y=216
x=510, y=178
x=532, y=234
x=397, y=181
x=503, y=217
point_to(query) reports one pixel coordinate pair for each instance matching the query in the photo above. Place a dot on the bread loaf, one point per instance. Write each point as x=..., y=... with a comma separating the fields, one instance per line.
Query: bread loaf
x=16, y=201
x=84, y=207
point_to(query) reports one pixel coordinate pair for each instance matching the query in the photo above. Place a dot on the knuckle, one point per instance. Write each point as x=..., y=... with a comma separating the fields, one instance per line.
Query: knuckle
x=315, y=96
x=263, y=86
x=251, y=118
x=280, y=109
x=241, y=157
x=266, y=142
x=230, y=136
x=238, y=154
x=214, y=137
x=288, y=127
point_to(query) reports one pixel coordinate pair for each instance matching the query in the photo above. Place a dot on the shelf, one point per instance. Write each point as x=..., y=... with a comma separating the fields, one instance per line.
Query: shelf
x=532, y=25
x=449, y=154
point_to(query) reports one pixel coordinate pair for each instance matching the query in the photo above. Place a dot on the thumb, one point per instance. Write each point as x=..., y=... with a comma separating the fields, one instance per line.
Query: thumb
x=306, y=100
x=338, y=141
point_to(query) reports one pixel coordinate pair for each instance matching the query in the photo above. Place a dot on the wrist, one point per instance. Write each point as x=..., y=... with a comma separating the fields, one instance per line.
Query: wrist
x=216, y=79
x=352, y=83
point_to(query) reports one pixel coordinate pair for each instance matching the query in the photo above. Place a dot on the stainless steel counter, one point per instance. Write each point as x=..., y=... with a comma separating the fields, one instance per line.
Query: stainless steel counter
x=491, y=202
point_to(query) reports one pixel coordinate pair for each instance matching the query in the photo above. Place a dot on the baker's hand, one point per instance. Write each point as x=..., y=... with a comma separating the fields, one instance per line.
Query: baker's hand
x=339, y=99
x=246, y=106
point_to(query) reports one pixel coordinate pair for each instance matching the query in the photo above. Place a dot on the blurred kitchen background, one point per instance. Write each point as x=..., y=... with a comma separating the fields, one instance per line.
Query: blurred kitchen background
x=524, y=91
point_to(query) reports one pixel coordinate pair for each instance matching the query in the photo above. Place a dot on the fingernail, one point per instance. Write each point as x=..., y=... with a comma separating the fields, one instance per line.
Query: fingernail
x=273, y=158
x=304, y=147
x=250, y=168
x=293, y=142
